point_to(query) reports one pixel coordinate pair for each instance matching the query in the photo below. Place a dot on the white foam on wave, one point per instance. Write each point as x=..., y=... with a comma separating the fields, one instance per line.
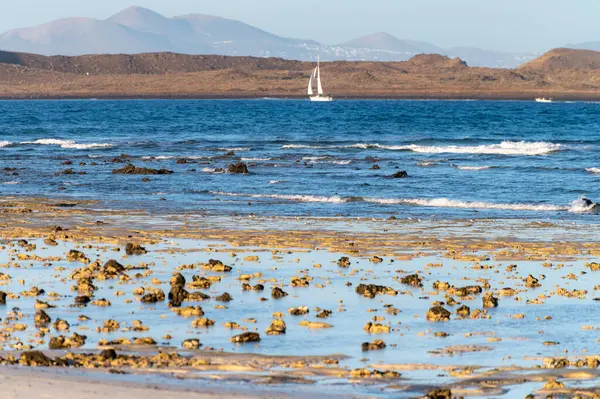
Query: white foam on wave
x=255, y=159
x=69, y=144
x=5, y=143
x=277, y=181
x=12, y=182
x=578, y=206
x=584, y=205
x=327, y=160
x=593, y=170
x=504, y=148
x=213, y=170
x=234, y=149
x=450, y=203
x=472, y=167
x=290, y=197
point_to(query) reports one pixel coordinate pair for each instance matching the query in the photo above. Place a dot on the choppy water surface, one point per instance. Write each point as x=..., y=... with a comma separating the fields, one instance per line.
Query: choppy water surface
x=500, y=159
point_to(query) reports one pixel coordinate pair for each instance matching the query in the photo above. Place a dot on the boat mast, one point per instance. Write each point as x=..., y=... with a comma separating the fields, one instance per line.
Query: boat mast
x=320, y=88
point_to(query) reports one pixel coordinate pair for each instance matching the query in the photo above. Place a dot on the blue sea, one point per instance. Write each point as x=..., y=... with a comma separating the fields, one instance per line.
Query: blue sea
x=464, y=159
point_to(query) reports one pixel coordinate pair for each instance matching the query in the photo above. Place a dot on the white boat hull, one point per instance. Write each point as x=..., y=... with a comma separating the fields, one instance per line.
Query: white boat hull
x=543, y=100
x=320, y=98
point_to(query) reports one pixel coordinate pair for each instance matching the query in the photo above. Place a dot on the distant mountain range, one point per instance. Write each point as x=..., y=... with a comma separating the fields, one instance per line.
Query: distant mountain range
x=140, y=30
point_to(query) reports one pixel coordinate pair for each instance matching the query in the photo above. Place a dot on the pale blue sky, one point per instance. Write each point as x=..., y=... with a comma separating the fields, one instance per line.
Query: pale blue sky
x=515, y=25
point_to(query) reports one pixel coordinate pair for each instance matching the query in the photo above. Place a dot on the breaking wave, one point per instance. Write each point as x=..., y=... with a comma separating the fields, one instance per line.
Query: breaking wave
x=593, y=170
x=69, y=144
x=5, y=143
x=472, y=167
x=504, y=148
x=581, y=205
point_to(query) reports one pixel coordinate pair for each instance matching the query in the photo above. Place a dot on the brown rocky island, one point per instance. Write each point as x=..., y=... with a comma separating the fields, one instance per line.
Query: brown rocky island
x=564, y=74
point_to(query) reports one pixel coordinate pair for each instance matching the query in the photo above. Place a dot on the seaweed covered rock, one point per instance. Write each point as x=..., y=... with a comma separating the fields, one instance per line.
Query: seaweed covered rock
x=35, y=359
x=240, y=168
x=344, y=261
x=177, y=295
x=246, y=337
x=438, y=313
x=414, y=280
x=489, y=300
x=278, y=293
x=133, y=170
x=439, y=394
x=191, y=343
x=62, y=342
x=399, y=175
x=134, y=249
x=372, y=290
x=277, y=327
x=373, y=346
x=77, y=256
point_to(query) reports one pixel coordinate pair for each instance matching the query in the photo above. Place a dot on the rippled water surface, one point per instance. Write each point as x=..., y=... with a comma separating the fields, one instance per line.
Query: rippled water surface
x=464, y=159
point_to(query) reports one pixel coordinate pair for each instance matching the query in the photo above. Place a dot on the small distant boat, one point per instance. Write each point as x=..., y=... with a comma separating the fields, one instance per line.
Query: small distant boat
x=320, y=97
x=543, y=100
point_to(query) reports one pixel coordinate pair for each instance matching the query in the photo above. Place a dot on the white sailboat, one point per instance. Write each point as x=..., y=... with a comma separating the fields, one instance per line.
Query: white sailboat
x=320, y=97
x=543, y=100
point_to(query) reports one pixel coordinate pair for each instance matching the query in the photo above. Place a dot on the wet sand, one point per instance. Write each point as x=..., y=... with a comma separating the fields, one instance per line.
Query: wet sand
x=361, y=308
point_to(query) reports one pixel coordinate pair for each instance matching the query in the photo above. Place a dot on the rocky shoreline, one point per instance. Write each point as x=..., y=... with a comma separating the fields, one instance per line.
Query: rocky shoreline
x=424, y=315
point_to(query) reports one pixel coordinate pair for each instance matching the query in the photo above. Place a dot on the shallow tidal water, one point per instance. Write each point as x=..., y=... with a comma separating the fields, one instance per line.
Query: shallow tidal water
x=411, y=340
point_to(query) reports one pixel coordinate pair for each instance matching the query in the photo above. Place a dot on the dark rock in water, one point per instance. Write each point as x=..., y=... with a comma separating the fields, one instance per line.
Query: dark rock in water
x=463, y=311
x=413, y=279
x=2, y=298
x=41, y=318
x=375, y=167
x=324, y=314
x=278, y=293
x=153, y=297
x=372, y=290
x=532, y=282
x=224, y=298
x=239, y=167
x=133, y=170
x=108, y=354
x=82, y=300
x=113, y=268
x=35, y=359
x=182, y=161
x=489, y=300
x=246, y=337
x=373, y=346
x=135, y=249
x=465, y=291
x=177, y=279
x=177, y=295
x=438, y=313
x=192, y=343
x=399, y=175
x=62, y=342
x=145, y=179
x=65, y=172
x=439, y=394
x=344, y=261
x=77, y=256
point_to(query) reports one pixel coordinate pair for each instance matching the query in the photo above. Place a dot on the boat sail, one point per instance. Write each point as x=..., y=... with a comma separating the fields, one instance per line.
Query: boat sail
x=320, y=94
